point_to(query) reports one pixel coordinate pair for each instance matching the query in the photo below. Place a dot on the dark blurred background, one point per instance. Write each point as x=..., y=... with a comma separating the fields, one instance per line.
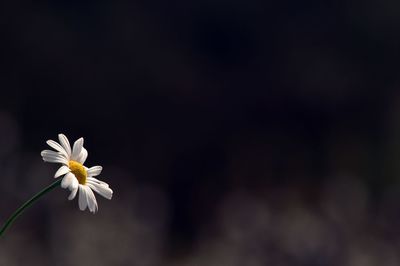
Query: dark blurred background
x=232, y=132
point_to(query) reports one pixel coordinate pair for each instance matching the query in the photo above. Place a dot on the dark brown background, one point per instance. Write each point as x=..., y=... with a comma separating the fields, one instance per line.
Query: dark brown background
x=232, y=132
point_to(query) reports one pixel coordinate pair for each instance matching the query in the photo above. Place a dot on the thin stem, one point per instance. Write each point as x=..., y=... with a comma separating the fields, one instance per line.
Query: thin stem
x=26, y=205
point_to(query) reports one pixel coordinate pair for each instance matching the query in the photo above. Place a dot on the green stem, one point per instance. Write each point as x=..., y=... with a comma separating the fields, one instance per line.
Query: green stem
x=26, y=205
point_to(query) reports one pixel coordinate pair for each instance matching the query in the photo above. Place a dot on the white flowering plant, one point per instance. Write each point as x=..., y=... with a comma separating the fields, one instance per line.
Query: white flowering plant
x=72, y=175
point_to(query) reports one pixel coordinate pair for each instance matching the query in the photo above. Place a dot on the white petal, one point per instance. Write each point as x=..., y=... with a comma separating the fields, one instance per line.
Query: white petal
x=82, y=198
x=65, y=143
x=74, y=185
x=95, y=180
x=92, y=203
x=67, y=180
x=82, y=156
x=73, y=194
x=95, y=170
x=57, y=147
x=53, y=157
x=104, y=191
x=62, y=171
x=76, y=150
x=50, y=153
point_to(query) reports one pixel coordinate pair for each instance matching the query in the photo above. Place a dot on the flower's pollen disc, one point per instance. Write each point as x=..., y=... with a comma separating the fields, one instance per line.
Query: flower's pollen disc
x=79, y=171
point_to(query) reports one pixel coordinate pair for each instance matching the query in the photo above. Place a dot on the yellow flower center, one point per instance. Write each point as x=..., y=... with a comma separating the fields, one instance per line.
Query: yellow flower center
x=79, y=171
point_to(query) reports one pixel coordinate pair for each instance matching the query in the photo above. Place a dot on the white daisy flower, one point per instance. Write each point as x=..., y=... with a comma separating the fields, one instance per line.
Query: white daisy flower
x=77, y=177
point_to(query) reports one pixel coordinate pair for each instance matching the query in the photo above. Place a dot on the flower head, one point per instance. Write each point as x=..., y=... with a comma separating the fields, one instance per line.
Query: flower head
x=76, y=176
